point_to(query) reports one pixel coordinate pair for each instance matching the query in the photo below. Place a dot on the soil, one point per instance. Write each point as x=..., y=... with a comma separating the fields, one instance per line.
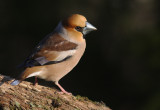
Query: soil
x=26, y=96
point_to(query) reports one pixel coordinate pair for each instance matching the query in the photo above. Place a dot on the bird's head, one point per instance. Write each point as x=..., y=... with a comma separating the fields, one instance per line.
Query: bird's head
x=78, y=24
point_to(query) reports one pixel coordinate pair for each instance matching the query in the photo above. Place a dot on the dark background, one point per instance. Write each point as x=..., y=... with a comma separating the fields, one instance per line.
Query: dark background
x=122, y=60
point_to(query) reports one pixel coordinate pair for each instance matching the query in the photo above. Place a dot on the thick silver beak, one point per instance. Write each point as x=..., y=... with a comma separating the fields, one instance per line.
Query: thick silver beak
x=88, y=28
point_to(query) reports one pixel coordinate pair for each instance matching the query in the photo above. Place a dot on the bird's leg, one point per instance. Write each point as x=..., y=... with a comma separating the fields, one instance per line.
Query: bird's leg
x=36, y=81
x=62, y=89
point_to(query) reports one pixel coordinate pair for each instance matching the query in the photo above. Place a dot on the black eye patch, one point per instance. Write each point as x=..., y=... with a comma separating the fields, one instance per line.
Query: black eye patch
x=78, y=28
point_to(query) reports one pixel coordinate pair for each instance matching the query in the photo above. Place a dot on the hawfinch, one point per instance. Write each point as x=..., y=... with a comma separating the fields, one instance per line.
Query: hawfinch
x=59, y=52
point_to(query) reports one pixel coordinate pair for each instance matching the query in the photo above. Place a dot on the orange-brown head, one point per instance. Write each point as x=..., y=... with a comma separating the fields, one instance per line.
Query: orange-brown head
x=78, y=23
x=74, y=20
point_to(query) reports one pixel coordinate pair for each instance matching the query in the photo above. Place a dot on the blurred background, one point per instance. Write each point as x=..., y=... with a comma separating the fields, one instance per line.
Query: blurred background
x=121, y=64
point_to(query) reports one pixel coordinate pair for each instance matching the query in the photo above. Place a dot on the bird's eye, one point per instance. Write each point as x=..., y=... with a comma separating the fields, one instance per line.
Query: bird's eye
x=78, y=28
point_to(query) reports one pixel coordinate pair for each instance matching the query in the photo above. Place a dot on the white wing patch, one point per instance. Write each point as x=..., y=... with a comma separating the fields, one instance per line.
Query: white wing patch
x=62, y=55
x=35, y=74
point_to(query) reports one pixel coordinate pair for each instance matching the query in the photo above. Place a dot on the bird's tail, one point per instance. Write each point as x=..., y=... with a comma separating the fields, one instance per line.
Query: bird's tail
x=15, y=82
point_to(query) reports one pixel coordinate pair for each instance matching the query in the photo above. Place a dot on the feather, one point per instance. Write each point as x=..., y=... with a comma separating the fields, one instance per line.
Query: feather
x=15, y=82
x=53, y=49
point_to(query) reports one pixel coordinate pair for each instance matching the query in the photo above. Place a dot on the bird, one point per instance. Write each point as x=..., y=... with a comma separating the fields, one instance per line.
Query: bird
x=58, y=52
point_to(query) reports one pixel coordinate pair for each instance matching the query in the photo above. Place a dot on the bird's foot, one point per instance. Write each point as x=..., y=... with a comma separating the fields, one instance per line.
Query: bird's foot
x=62, y=90
x=35, y=82
x=65, y=92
